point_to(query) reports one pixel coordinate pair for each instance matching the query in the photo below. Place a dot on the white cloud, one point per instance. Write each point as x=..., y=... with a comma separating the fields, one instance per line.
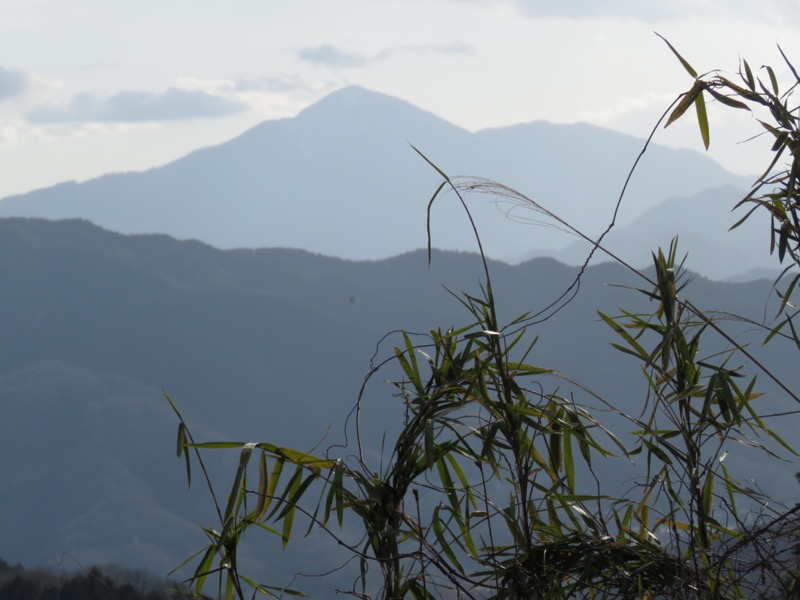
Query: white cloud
x=331, y=56
x=128, y=106
x=335, y=57
x=767, y=11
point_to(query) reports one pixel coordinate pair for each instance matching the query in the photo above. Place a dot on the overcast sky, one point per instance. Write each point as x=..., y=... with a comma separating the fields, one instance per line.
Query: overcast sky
x=92, y=86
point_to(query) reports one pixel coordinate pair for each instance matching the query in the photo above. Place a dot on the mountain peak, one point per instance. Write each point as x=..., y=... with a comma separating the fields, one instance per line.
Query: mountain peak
x=358, y=103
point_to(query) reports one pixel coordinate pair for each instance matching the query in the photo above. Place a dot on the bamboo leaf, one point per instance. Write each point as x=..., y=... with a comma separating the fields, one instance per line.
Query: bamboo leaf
x=438, y=529
x=272, y=484
x=261, y=505
x=773, y=80
x=569, y=466
x=181, y=438
x=203, y=568
x=748, y=76
x=447, y=484
x=687, y=99
x=727, y=100
x=338, y=484
x=555, y=446
x=286, y=530
x=702, y=118
x=236, y=488
x=269, y=589
x=686, y=65
x=708, y=489
x=638, y=350
x=429, y=444
x=218, y=445
x=783, y=240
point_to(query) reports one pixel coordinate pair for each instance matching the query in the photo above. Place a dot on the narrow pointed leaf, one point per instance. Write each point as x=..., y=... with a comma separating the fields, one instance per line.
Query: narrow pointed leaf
x=702, y=118
x=727, y=100
x=261, y=505
x=686, y=65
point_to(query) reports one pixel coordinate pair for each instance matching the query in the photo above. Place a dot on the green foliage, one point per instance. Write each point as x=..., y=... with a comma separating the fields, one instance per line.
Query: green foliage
x=777, y=189
x=488, y=488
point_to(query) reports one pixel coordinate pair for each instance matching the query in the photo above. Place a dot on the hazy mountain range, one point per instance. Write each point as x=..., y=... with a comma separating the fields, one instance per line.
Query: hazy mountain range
x=252, y=345
x=342, y=179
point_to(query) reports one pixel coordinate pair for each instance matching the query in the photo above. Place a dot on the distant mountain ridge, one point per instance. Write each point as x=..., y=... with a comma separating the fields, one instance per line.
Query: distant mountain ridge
x=702, y=224
x=341, y=179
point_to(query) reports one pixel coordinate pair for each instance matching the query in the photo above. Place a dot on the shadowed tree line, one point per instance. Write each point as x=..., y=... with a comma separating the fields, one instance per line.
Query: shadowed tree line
x=19, y=583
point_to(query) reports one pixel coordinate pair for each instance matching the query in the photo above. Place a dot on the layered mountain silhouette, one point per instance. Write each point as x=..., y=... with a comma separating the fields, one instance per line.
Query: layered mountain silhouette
x=256, y=345
x=703, y=224
x=342, y=179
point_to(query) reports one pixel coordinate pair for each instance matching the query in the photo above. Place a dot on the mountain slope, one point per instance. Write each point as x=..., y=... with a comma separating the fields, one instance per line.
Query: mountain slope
x=252, y=345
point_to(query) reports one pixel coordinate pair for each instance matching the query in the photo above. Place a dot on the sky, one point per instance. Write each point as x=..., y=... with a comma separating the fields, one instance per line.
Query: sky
x=89, y=87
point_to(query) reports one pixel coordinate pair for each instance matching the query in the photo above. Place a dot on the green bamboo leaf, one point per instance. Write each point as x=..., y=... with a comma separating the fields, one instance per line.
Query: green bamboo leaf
x=687, y=99
x=181, y=438
x=294, y=500
x=638, y=350
x=412, y=357
x=774, y=131
x=185, y=453
x=203, y=569
x=286, y=530
x=774, y=331
x=462, y=478
x=686, y=65
x=569, y=466
x=773, y=80
x=729, y=487
x=786, y=295
x=727, y=402
x=658, y=452
x=269, y=589
x=781, y=141
x=528, y=369
x=229, y=587
x=447, y=484
x=218, y=445
x=748, y=76
x=795, y=337
x=708, y=489
x=727, y=100
x=298, y=457
x=555, y=446
x=783, y=240
x=272, y=484
x=236, y=491
x=261, y=505
x=172, y=404
x=438, y=529
x=338, y=484
x=266, y=528
x=429, y=446
x=781, y=441
x=291, y=486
